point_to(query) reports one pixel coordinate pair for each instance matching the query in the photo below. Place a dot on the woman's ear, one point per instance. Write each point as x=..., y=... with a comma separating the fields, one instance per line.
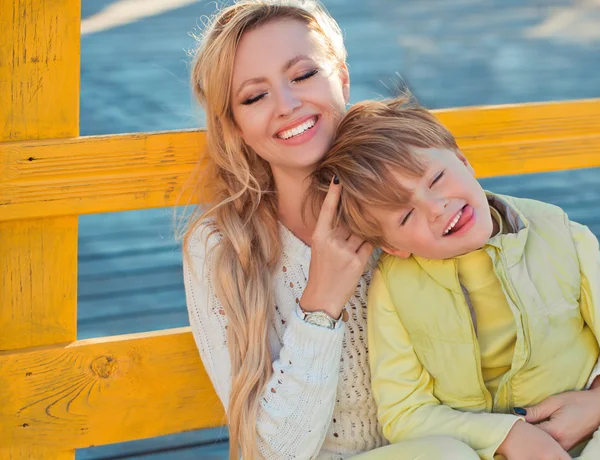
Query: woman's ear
x=345, y=78
x=398, y=253
x=461, y=156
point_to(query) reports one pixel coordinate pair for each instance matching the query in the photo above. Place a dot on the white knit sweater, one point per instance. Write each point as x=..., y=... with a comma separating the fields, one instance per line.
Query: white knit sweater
x=318, y=403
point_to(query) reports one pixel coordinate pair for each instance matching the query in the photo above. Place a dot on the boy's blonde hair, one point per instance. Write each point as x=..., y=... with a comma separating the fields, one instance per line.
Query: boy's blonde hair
x=373, y=139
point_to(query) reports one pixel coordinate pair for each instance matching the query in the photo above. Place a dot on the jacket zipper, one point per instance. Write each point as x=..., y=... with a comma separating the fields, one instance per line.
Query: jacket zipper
x=525, y=326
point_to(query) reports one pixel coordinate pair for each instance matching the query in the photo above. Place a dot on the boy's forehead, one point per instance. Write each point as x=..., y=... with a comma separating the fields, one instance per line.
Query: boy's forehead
x=430, y=154
x=405, y=178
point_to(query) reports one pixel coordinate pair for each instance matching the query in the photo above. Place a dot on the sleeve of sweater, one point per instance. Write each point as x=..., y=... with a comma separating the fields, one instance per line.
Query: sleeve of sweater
x=297, y=404
x=586, y=245
x=403, y=389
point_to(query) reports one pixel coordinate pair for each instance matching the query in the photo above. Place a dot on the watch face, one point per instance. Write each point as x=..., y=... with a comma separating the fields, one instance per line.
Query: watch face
x=320, y=319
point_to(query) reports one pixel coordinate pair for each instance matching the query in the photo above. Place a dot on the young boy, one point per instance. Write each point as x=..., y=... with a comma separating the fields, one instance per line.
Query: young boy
x=482, y=305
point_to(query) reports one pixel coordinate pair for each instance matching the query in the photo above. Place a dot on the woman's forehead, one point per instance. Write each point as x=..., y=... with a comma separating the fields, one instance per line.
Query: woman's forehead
x=266, y=49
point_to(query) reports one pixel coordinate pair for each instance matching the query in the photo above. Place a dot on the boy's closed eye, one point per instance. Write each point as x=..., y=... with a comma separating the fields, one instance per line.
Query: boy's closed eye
x=405, y=217
x=437, y=177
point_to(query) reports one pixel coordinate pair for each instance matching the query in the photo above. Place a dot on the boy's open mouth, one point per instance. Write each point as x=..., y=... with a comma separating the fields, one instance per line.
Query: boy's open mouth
x=462, y=217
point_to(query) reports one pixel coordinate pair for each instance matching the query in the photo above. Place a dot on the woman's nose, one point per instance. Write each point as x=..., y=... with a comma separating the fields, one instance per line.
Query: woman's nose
x=287, y=102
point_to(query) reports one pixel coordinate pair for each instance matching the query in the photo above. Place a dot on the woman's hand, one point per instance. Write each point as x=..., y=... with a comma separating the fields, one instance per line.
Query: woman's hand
x=528, y=442
x=568, y=417
x=337, y=262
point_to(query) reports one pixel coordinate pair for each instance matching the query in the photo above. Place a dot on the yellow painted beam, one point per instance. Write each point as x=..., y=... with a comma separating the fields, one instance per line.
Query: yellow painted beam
x=33, y=453
x=38, y=282
x=106, y=390
x=96, y=174
x=523, y=122
x=511, y=158
x=39, y=69
x=117, y=173
x=39, y=99
x=39, y=90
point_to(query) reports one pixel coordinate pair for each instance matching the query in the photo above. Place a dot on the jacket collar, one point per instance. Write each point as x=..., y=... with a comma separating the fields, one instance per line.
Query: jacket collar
x=512, y=242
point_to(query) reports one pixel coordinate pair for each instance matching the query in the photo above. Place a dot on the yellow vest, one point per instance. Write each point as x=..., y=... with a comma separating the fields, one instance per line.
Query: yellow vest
x=423, y=348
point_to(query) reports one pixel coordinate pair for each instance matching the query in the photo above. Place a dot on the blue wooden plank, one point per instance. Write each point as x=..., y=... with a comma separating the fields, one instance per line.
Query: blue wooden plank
x=205, y=444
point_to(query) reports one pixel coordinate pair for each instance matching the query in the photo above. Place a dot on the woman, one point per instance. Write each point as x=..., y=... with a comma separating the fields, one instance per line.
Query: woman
x=289, y=366
x=277, y=303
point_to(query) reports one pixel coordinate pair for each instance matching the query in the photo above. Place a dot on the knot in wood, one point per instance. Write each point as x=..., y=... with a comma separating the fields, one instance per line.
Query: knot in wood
x=104, y=366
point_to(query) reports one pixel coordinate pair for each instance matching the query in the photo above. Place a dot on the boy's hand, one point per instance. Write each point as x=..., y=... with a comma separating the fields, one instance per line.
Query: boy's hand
x=527, y=442
x=568, y=417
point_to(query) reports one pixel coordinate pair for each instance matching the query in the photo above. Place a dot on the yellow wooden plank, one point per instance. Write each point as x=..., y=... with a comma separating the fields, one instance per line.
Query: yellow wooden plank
x=39, y=99
x=38, y=282
x=34, y=453
x=39, y=69
x=117, y=173
x=522, y=122
x=106, y=390
x=97, y=174
x=510, y=158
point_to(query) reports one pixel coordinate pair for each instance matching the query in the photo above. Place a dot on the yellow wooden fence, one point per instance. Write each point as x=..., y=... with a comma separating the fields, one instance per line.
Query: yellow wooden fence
x=58, y=394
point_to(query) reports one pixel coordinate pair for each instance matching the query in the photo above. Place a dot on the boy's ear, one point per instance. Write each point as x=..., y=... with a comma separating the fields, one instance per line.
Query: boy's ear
x=398, y=253
x=461, y=156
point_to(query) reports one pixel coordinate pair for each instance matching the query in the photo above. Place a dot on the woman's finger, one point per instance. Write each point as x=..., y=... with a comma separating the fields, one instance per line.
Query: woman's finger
x=354, y=242
x=329, y=208
x=365, y=251
x=342, y=233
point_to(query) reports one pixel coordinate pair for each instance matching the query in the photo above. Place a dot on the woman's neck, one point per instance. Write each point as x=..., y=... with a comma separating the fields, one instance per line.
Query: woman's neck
x=291, y=188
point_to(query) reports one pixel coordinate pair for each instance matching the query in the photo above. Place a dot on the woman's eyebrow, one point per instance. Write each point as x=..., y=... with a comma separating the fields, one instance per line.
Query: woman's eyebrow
x=288, y=64
x=294, y=60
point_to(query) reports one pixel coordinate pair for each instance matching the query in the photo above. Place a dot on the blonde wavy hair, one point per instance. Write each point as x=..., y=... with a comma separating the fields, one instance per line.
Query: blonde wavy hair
x=244, y=206
x=374, y=139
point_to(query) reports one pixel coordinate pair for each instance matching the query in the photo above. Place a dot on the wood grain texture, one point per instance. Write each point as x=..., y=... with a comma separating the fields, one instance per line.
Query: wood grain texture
x=39, y=90
x=97, y=174
x=34, y=453
x=107, y=390
x=38, y=282
x=522, y=122
x=39, y=99
x=137, y=171
x=39, y=69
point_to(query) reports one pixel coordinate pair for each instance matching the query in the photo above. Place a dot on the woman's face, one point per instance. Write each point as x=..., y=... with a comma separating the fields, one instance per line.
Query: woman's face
x=287, y=95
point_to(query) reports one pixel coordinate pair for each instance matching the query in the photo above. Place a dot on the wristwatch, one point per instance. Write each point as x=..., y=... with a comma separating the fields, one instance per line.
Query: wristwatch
x=320, y=318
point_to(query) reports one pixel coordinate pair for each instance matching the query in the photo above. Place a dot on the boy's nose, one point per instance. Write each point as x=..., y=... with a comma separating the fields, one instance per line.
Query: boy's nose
x=437, y=208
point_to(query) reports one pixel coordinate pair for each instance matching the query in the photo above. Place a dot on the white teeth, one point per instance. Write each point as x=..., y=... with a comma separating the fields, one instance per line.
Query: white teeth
x=298, y=129
x=453, y=223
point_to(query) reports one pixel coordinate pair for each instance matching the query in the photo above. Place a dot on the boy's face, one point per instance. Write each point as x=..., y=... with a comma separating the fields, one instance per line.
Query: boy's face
x=448, y=214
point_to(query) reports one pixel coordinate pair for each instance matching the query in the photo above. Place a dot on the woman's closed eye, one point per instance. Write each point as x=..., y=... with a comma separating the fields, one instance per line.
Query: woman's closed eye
x=258, y=97
x=253, y=99
x=306, y=76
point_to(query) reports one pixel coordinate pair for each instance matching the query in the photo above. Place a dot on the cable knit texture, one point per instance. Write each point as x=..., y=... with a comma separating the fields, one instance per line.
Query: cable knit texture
x=318, y=402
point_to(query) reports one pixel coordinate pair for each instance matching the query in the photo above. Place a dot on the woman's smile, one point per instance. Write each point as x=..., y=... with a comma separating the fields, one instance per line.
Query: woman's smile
x=300, y=131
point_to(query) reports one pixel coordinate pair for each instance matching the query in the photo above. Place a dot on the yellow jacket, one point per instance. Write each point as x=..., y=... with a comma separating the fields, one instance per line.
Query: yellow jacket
x=424, y=353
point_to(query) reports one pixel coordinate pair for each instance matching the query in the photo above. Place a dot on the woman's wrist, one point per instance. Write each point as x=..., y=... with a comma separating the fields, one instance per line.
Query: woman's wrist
x=333, y=313
x=312, y=304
